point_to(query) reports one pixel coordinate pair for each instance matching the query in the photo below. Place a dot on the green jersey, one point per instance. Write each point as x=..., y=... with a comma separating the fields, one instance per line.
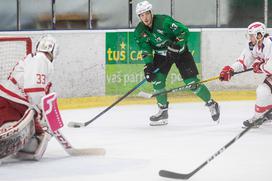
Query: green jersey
x=164, y=31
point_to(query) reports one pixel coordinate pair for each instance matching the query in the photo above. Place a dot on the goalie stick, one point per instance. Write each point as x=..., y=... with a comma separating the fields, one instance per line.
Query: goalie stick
x=185, y=176
x=54, y=122
x=184, y=87
x=74, y=151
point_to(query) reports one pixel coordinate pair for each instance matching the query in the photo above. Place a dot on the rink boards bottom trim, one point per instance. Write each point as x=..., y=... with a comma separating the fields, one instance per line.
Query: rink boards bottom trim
x=100, y=101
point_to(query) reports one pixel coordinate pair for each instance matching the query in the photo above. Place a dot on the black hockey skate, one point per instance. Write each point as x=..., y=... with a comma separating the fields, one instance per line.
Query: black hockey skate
x=254, y=122
x=269, y=117
x=214, y=109
x=161, y=117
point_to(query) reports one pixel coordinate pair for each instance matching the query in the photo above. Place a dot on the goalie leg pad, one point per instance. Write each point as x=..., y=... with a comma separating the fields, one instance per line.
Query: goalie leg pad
x=38, y=127
x=35, y=148
x=14, y=138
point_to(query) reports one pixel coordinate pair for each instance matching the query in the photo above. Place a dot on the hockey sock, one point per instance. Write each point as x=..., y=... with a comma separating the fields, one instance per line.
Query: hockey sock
x=159, y=86
x=161, y=99
x=203, y=93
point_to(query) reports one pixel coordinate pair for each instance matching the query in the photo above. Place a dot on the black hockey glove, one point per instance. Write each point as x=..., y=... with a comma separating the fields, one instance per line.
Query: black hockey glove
x=174, y=50
x=149, y=72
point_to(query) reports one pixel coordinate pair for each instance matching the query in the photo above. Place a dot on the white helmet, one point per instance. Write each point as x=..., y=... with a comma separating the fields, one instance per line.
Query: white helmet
x=47, y=44
x=255, y=28
x=142, y=7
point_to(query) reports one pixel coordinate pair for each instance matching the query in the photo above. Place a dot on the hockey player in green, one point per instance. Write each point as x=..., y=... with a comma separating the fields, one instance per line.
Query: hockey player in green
x=163, y=41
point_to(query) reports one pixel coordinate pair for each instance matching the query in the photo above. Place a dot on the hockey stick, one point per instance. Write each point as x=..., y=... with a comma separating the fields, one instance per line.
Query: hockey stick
x=170, y=174
x=78, y=125
x=184, y=87
x=188, y=86
x=74, y=151
x=54, y=121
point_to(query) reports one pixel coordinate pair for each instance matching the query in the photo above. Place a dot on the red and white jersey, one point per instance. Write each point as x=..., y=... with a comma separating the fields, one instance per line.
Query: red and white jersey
x=29, y=80
x=251, y=53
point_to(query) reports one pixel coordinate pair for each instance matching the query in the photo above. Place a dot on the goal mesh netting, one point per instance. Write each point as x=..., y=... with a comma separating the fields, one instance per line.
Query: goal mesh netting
x=12, y=49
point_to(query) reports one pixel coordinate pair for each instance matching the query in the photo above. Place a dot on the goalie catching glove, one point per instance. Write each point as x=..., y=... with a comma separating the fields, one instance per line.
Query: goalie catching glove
x=37, y=144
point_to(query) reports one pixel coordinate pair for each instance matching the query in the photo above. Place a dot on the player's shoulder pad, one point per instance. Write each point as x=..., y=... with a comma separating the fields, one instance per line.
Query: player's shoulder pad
x=28, y=56
x=162, y=17
x=267, y=43
x=140, y=32
x=139, y=28
x=268, y=39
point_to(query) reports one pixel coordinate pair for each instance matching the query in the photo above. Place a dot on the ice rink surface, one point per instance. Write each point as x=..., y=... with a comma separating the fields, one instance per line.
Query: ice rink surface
x=136, y=152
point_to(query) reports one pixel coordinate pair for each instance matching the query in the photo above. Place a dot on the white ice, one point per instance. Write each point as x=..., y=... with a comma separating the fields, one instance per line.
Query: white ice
x=136, y=151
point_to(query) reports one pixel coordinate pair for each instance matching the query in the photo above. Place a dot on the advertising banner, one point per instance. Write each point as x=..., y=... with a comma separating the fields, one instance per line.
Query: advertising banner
x=124, y=64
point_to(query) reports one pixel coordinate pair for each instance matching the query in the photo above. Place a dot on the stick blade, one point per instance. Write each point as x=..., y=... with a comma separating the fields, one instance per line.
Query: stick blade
x=75, y=125
x=170, y=174
x=87, y=152
x=144, y=94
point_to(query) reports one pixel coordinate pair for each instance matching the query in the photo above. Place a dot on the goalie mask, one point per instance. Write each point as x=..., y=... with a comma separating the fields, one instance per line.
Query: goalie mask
x=142, y=7
x=48, y=44
x=256, y=28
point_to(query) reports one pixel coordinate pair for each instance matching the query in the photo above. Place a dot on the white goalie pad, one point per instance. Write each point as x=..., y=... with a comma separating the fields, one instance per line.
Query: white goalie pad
x=15, y=137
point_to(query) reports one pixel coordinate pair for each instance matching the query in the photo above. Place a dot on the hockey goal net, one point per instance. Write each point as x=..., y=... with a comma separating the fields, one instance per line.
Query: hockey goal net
x=12, y=49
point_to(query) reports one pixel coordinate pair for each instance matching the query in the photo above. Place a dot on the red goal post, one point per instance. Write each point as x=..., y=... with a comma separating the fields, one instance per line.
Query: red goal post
x=12, y=49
